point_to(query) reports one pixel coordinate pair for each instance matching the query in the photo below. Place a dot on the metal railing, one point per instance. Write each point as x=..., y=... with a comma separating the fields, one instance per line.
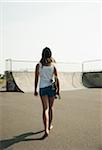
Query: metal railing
x=11, y=64
x=94, y=62
x=91, y=65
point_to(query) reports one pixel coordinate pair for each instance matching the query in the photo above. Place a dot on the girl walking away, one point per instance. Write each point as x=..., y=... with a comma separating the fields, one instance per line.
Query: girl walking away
x=47, y=72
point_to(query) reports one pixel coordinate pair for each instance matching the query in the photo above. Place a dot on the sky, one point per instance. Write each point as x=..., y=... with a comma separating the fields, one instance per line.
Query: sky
x=71, y=29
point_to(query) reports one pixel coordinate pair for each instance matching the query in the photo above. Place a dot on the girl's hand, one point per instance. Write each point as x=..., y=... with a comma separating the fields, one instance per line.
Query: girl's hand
x=57, y=92
x=36, y=93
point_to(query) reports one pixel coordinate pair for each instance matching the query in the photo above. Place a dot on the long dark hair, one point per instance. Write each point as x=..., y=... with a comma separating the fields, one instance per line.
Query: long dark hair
x=46, y=56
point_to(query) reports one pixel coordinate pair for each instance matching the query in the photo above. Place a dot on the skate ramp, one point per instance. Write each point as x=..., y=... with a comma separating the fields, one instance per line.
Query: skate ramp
x=70, y=80
x=11, y=85
x=92, y=79
x=24, y=81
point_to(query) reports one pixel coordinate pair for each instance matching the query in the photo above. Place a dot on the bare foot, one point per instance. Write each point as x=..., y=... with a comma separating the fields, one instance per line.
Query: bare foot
x=51, y=127
x=46, y=134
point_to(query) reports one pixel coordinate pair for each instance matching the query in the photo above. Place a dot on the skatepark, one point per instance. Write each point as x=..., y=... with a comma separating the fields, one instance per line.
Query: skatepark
x=71, y=29
x=77, y=116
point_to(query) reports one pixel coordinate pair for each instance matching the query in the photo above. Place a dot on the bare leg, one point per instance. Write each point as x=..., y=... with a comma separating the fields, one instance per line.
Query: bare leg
x=51, y=102
x=45, y=105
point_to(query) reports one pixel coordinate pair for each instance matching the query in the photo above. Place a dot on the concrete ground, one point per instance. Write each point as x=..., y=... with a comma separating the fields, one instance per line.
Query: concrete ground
x=77, y=121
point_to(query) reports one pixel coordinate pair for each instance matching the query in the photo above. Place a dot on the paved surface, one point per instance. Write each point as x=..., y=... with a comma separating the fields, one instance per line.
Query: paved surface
x=77, y=121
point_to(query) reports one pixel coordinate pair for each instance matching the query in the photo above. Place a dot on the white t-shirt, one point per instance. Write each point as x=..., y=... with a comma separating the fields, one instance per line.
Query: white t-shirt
x=46, y=75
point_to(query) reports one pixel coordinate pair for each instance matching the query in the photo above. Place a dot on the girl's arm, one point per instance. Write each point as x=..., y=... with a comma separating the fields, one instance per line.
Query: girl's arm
x=56, y=81
x=36, y=79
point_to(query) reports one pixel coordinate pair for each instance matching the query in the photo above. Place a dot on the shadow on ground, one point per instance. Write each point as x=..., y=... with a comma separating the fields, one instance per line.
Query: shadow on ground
x=19, y=138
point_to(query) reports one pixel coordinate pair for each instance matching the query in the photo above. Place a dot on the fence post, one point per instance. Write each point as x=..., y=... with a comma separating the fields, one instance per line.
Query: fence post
x=8, y=64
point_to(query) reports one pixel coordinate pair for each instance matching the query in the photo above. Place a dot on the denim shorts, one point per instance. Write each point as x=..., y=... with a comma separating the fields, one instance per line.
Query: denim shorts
x=47, y=91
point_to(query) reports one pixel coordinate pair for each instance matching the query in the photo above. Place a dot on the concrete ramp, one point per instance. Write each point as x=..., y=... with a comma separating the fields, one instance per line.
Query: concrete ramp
x=92, y=79
x=70, y=80
x=11, y=85
x=24, y=81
